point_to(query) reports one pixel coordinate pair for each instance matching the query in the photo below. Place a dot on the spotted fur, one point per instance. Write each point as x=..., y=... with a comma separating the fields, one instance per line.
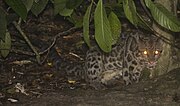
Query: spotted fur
x=127, y=59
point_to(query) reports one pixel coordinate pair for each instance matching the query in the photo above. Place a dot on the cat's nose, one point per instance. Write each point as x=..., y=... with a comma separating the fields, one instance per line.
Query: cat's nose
x=151, y=62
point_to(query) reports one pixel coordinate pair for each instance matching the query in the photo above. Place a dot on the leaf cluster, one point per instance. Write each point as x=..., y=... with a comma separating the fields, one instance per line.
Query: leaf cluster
x=104, y=15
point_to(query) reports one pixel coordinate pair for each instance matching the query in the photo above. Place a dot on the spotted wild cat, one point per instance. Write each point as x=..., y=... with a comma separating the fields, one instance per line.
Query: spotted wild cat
x=127, y=59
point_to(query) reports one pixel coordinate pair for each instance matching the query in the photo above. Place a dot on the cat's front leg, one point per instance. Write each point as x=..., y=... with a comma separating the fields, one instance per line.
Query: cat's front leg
x=126, y=76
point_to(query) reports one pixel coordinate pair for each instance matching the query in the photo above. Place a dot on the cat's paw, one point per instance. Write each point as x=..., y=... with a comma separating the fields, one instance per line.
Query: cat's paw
x=127, y=80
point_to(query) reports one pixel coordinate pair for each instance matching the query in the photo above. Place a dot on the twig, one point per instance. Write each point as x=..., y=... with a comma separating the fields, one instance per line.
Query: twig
x=145, y=9
x=54, y=41
x=55, y=38
x=45, y=57
x=27, y=40
x=22, y=52
x=34, y=50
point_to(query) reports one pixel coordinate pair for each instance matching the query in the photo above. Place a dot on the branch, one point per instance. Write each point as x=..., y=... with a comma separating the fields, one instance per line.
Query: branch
x=145, y=9
x=27, y=40
x=34, y=50
x=164, y=39
x=56, y=36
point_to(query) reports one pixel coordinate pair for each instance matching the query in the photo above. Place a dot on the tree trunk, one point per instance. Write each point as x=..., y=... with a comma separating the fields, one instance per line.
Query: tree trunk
x=166, y=63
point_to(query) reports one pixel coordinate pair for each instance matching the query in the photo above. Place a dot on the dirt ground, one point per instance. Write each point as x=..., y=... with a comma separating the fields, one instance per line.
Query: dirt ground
x=23, y=82
x=161, y=91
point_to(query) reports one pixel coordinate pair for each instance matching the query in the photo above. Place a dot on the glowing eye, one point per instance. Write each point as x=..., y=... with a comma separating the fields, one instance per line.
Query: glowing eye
x=156, y=52
x=145, y=52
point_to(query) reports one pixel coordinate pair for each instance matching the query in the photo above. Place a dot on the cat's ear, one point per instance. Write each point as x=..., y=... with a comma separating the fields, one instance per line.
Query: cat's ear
x=159, y=44
x=142, y=42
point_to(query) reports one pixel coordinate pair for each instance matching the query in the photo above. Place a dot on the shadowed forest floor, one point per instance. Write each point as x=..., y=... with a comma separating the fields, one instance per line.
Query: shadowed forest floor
x=162, y=91
x=25, y=83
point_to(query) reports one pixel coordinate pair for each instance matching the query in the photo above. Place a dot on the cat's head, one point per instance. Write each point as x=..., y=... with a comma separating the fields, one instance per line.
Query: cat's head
x=150, y=49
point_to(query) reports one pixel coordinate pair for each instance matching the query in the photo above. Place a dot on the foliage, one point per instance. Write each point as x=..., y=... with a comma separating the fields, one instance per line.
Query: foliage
x=19, y=7
x=130, y=11
x=38, y=6
x=106, y=17
x=3, y=24
x=115, y=25
x=86, y=25
x=5, y=45
x=163, y=17
x=102, y=28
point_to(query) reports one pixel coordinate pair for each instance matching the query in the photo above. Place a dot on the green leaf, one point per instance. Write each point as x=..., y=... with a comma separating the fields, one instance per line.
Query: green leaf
x=76, y=20
x=19, y=7
x=28, y=4
x=118, y=10
x=130, y=11
x=38, y=6
x=71, y=4
x=66, y=12
x=163, y=17
x=119, y=1
x=3, y=24
x=102, y=28
x=59, y=5
x=115, y=25
x=86, y=25
x=5, y=45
